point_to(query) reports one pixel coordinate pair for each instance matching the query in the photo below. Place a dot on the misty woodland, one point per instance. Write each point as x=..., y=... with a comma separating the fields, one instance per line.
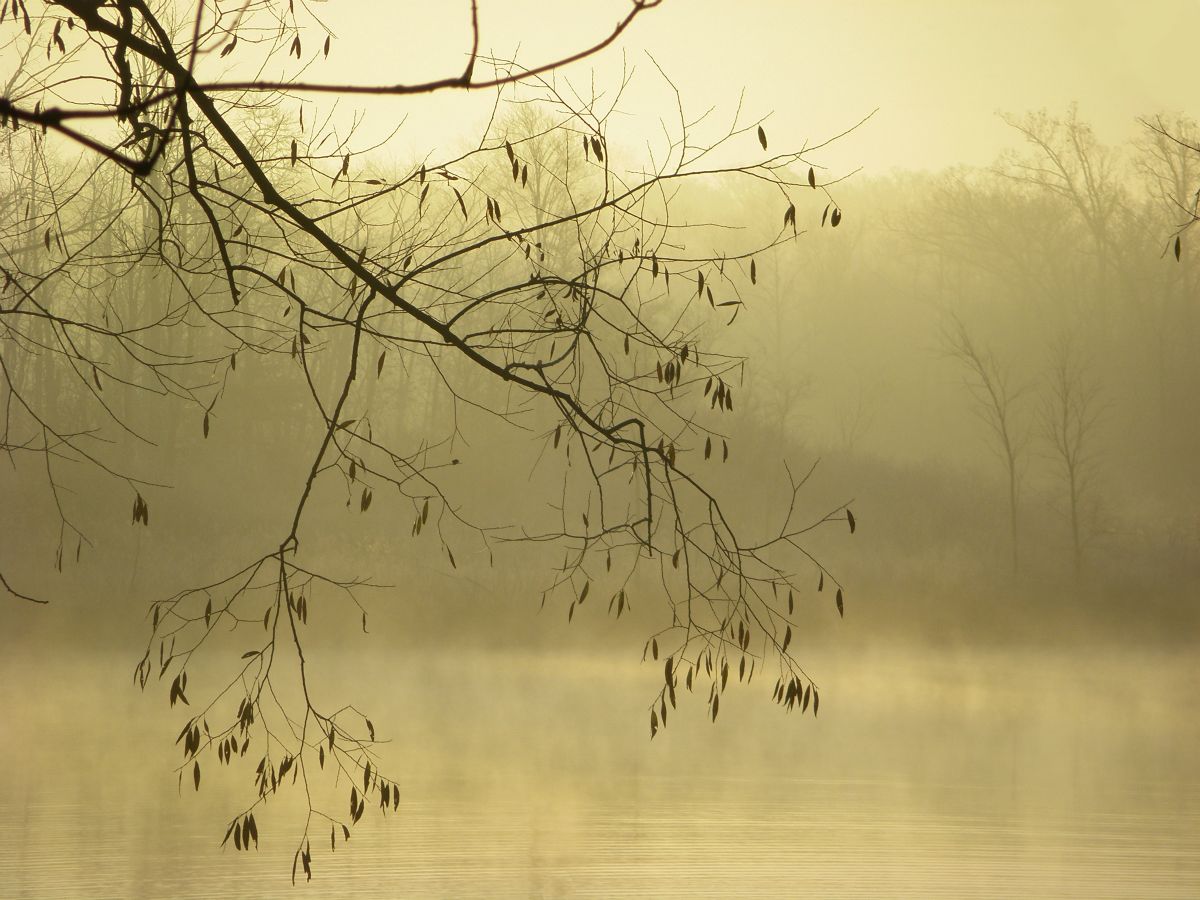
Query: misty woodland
x=270, y=362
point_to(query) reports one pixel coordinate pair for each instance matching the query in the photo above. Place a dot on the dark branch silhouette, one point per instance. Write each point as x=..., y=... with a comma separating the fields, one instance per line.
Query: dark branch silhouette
x=532, y=279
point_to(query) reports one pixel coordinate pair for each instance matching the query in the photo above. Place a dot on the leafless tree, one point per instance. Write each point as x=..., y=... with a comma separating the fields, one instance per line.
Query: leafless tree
x=854, y=422
x=1068, y=161
x=1070, y=414
x=997, y=400
x=582, y=317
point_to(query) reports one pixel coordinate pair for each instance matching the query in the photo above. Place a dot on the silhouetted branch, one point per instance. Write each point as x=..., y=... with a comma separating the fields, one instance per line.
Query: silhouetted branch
x=534, y=279
x=8, y=587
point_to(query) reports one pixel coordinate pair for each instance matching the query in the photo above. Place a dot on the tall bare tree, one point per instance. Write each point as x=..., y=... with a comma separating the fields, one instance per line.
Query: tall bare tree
x=997, y=401
x=1070, y=414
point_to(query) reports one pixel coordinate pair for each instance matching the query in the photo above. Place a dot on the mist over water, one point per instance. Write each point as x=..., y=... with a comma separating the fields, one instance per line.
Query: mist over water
x=928, y=773
x=956, y=386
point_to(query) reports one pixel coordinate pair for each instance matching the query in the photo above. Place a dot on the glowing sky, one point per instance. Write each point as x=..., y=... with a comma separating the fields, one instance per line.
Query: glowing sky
x=938, y=70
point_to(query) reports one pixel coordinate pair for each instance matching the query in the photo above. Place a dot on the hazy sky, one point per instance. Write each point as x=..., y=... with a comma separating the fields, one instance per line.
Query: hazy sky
x=938, y=70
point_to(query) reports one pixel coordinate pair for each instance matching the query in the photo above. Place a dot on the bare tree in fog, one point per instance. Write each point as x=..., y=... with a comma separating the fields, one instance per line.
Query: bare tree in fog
x=997, y=401
x=1067, y=160
x=1070, y=414
x=582, y=315
x=855, y=421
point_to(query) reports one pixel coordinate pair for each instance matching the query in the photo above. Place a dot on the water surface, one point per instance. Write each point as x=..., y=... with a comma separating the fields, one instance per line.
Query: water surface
x=940, y=774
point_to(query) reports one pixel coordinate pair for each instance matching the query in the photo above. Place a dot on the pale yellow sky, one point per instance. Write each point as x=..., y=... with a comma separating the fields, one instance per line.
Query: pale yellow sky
x=938, y=70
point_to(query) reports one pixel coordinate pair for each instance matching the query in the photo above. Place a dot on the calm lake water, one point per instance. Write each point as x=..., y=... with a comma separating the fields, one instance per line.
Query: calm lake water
x=936, y=774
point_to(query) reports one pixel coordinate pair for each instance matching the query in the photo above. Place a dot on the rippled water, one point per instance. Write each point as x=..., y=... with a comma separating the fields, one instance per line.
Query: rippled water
x=928, y=777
